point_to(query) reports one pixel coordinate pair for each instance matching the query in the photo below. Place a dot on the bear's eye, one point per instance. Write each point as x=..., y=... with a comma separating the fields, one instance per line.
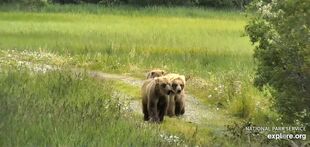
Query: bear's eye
x=174, y=85
x=163, y=85
x=182, y=85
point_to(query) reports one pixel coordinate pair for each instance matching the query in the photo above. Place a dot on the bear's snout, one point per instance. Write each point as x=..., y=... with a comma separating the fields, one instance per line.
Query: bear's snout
x=178, y=91
x=169, y=92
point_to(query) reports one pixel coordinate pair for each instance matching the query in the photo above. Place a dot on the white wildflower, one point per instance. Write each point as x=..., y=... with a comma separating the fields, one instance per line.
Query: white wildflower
x=171, y=139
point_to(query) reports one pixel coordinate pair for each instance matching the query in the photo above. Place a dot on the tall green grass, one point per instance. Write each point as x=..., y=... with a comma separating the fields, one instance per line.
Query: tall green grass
x=64, y=109
x=120, y=39
x=200, y=42
x=129, y=10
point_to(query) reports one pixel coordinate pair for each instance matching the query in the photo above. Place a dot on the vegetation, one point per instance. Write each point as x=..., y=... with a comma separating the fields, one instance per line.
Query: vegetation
x=109, y=43
x=281, y=30
x=61, y=108
x=211, y=3
x=68, y=108
x=133, y=43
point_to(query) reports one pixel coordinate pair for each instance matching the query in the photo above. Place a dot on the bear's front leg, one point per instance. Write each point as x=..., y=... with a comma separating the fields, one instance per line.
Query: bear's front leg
x=162, y=108
x=178, y=109
x=152, y=110
x=171, y=106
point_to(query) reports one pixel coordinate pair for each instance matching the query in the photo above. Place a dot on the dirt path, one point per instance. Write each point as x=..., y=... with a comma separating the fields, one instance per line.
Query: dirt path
x=195, y=112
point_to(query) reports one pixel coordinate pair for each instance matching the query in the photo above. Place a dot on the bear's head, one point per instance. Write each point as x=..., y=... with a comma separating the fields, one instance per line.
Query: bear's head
x=177, y=83
x=163, y=84
x=155, y=73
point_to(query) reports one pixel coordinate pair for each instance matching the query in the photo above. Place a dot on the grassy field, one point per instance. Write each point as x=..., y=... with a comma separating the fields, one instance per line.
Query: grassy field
x=206, y=44
x=121, y=41
x=65, y=110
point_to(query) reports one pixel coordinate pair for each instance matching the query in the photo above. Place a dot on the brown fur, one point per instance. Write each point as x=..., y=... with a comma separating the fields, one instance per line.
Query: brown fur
x=155, y=73
x=155, y=94
x=176, y=104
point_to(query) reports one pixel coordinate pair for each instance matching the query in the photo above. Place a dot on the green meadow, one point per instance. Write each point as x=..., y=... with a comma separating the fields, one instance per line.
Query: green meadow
x=203, y=40
x=61, y=108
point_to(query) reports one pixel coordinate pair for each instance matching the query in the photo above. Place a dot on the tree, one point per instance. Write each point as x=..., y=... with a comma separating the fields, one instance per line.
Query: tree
x=280, y=30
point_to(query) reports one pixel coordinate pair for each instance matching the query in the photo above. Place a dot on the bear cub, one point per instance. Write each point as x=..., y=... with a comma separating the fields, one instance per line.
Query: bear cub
x=155, y=73
x=155, y=95
x=176, y=104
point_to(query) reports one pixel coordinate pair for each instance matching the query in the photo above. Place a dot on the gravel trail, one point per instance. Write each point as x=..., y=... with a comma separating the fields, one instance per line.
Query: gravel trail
x=195, y=111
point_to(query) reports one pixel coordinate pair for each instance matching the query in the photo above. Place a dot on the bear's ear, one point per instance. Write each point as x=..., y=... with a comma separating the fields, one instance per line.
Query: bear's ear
x=187, y=77
x=152, y=73
x=148, y=75
x=156, y=80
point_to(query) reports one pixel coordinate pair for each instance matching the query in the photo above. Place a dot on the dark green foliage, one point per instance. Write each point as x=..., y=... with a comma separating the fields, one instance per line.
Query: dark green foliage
x=66, y=1
x=4, y=1
x=281, y=30
x=160, y=2
x=223, y=3
x=32, y=3
x=104, y=2
x=209, y=3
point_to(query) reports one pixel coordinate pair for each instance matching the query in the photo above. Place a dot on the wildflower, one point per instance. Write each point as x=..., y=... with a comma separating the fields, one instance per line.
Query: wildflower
x=171, y=139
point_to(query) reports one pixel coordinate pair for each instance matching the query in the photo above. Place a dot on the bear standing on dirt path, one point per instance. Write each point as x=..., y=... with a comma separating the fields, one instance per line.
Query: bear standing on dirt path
x=155, y=94
x=176, y=105
x=155, y=73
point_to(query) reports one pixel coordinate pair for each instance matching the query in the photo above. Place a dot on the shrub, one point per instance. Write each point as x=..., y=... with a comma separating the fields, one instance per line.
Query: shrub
x=4, y=1
x=210, y=3
x=223, y=3
x=35, y=3
x=110, y=2
x=242, y=106
x=281, y=31
x=68, y=1
x=32, y=3
x=160, y=2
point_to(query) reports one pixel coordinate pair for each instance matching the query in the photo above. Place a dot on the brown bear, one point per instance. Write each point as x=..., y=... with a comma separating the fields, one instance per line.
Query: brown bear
x=155, y=94
x=176, y=105
x=155, y=73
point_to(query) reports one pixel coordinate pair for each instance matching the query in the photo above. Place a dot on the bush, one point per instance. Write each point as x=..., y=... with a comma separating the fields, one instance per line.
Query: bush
x=32, y=3
x=223, y=3
x=281, y=31
x=109, y=2
x=210, y=3
x=4, y=1
x=68, y=1
x=160, y=2
x=242, y=106
x=35, y=3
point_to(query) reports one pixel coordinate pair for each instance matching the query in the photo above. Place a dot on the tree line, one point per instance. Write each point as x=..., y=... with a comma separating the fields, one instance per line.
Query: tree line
x=239, y=4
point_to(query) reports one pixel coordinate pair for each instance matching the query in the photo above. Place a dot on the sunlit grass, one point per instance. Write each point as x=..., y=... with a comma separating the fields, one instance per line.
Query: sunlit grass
x=133, y=92
x=95, y=33
x=203, y=43
x=61, y=108
x=208, y=41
